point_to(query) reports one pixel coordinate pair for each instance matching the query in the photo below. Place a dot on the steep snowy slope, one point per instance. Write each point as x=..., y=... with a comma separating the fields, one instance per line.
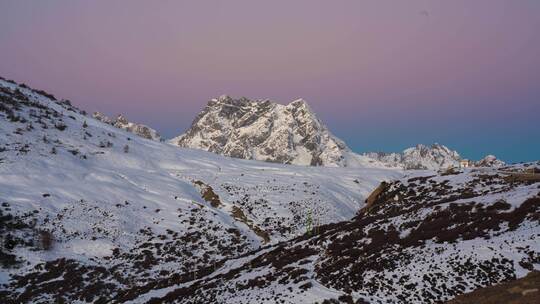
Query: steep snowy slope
x=90, y=212
x=264, y=130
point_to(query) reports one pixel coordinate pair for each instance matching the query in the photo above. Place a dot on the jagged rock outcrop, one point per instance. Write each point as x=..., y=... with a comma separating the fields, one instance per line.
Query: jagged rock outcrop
x=121, y=122
x=489, y=161
x=264, y=130
x=103, y=118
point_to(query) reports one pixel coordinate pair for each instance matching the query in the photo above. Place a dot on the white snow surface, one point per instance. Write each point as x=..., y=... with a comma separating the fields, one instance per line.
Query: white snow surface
x=96, y=197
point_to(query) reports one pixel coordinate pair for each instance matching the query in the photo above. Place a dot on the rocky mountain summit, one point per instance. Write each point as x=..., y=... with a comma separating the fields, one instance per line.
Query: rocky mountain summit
x=264, y=130
x=121, y=122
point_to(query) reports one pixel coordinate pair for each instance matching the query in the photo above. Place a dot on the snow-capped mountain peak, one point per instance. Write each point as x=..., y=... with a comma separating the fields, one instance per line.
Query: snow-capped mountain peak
x=264, y=130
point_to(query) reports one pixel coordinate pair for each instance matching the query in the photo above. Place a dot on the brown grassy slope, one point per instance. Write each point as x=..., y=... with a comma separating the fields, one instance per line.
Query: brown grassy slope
x=522, y=291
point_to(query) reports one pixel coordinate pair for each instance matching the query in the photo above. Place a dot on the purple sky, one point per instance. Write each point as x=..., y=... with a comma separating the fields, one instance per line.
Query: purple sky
x=383, y=75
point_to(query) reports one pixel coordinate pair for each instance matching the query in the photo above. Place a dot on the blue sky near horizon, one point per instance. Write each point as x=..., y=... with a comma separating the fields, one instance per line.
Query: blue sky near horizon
x=383, y=75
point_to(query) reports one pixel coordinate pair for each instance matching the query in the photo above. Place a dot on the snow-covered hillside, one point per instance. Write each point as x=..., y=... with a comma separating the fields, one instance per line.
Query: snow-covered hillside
x=423, y=239
x=91, y=213
x=89, y=210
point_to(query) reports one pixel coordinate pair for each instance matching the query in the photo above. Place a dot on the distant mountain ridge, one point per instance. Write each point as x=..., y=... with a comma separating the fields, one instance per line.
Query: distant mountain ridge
x=431, y=157
x=121, y=122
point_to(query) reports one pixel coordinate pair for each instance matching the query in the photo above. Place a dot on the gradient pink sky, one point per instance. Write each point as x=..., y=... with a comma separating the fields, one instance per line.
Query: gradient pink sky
x=383, y=75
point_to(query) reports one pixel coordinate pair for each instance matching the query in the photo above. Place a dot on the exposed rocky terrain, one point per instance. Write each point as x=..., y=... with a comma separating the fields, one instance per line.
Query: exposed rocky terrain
x=523, y=291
